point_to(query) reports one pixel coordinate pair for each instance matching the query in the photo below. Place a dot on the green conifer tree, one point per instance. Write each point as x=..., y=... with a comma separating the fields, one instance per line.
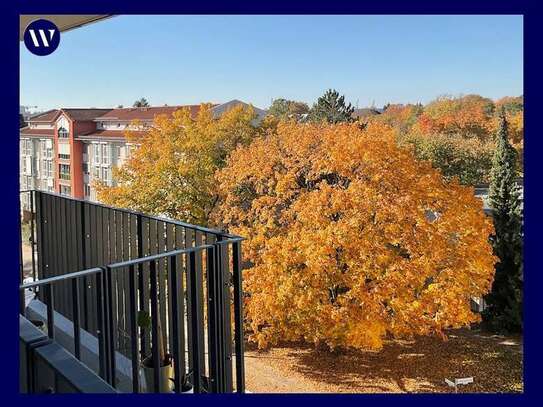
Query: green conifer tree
x=504, y=303
x=331, y=107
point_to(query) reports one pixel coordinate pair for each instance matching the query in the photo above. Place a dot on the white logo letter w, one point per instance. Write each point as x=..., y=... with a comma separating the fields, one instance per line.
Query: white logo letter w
x=43, y=37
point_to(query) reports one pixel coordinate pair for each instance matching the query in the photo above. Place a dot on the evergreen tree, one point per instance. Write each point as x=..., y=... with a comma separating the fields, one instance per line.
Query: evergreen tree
x=141, y=103
x=331, y=108
x=504, y=312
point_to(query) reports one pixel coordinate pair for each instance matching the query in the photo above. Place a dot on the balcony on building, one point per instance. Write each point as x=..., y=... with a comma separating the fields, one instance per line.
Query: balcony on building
x=116, y=301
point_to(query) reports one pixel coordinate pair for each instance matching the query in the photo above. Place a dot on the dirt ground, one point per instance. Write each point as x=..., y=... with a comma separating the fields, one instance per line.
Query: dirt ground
x=494, y=362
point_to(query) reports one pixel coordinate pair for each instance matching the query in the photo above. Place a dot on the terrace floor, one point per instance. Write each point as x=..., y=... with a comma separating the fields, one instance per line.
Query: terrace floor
x=495, y=362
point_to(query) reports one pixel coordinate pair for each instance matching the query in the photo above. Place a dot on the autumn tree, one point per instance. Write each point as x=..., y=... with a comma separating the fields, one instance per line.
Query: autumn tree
x=504, y=310
x=171, y=171
x=469, y=160
x=350, y=238
x=331, y=108
x=400, y=117
x=288, y=109
x=469, y=116
x=457, y=134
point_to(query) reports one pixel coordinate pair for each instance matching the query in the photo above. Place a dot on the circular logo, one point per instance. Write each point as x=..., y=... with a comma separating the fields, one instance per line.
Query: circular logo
x=42, y=37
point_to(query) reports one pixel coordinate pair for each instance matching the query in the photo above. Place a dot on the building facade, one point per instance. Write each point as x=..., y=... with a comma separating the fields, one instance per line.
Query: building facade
x=68, y=150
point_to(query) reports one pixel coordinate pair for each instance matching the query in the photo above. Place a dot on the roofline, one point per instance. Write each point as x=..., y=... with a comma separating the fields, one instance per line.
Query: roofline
x=30, y=118
x=176, y=107
x=36, y=135
x=88, y=138
x=63, y=110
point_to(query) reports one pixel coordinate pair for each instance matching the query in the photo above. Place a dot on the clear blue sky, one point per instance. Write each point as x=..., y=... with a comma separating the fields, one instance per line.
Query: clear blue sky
x=192, y=59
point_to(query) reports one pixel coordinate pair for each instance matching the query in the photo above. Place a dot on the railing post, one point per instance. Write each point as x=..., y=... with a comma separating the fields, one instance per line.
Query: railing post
x=101, y=325
x=32, y=235
x=156, y=335
x=50, y=311
x=226, y=316
x=238, y=317
x=195, y=293
x=84, y=237
x=134, y=328
x=212, y=329
x=76, y=314
x=110, y=325
x=141, y=279
x=178, y=331
x=21, y=267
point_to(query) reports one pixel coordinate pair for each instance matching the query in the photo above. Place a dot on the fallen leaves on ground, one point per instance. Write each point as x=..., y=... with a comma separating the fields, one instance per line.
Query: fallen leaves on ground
x=418, y=366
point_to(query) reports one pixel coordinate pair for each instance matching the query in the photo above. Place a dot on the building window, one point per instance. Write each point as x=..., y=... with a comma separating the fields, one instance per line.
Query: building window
x=62, y=133
x=85, y=168
x=96, y=173
x=26, y=146
x=64, y=156
x=49, y=169
x=43, y=149
x=106, y=174
x=49, y=149
x=46, y=148
x=87, y=190
x=118, y=152
x=64, y=171
x=65, y=190
x=97, y=153
x=105, y=154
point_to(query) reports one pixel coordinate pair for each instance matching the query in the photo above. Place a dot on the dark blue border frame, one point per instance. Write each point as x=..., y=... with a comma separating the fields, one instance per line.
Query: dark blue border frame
x=533, y=337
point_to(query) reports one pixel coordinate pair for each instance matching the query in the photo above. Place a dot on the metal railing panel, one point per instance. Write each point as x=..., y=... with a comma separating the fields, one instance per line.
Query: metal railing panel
x=186, y=277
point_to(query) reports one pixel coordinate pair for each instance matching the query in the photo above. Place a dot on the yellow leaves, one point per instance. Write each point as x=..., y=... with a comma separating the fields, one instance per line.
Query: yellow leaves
x=338, y=239
x=171, y=172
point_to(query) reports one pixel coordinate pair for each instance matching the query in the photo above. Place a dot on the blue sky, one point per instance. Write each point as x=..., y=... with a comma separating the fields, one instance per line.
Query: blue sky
x=192, y=59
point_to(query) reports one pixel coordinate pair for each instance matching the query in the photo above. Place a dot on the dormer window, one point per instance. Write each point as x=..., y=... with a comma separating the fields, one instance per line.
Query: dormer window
x=62, y=133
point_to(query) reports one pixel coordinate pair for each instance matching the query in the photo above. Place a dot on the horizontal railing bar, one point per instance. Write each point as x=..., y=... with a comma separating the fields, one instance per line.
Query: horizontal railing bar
x=126, y=263
x=153, y=257
x=63, y=277
x=162, y=219
x=232, y=240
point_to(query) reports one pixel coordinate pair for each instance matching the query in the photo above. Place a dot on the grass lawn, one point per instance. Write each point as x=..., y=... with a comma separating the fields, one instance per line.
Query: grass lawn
x=494, y=361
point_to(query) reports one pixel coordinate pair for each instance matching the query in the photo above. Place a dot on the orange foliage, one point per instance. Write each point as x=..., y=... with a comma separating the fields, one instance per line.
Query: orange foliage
x=471, y=116
x=350, y=238
x=399, y=117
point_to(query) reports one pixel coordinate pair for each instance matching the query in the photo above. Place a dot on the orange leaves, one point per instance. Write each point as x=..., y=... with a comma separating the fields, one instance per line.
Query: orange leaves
x=341, y=249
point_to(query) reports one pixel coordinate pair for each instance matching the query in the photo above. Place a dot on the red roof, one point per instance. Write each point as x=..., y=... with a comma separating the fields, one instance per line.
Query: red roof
x=84, y=114
x=27, y=131
x=48, y=116
x=144, y=113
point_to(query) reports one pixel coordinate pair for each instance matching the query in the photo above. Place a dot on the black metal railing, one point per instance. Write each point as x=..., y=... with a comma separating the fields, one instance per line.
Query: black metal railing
x=103, y=267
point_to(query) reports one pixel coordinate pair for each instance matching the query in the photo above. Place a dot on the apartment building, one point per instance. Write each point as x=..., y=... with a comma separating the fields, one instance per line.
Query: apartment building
x=67, y=150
